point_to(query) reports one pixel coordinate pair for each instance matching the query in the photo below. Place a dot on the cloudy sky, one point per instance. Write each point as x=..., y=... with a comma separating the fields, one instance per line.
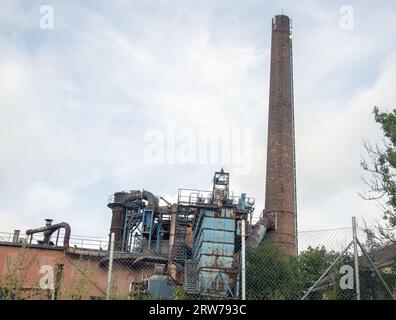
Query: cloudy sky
x=81, y=102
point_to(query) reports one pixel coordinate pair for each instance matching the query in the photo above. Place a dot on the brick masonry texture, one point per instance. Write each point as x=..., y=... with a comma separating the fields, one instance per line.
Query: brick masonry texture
x=280, y=181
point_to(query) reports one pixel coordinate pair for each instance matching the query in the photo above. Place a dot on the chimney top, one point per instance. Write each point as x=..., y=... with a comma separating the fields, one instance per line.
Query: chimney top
x=281, y=23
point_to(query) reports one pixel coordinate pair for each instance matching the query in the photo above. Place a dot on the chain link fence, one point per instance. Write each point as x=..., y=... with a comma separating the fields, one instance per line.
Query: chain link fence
x=323, y=270
x=330, y=265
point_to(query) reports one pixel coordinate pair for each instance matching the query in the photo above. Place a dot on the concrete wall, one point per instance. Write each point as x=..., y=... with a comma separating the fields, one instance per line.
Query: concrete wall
x=37, y=268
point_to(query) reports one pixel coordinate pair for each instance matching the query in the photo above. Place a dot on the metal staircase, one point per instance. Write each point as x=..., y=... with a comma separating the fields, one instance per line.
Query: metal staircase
x=178, y=248
x=190, y=277
x=132, y=221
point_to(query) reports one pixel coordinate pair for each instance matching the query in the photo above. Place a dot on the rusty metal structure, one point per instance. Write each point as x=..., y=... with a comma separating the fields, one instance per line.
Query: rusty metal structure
x=138, y=222
x=200, y=235
x=49, y=229
x=212, y=252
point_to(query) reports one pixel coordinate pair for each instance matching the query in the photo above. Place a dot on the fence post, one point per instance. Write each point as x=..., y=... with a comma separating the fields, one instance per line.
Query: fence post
x=356, y=258
x=110, y=265
x=243, y=262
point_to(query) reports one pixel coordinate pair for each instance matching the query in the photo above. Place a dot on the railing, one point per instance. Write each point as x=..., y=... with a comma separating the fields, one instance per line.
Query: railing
x=204, y=197
x=6, y=236
x=81, y=242
x=194, y=197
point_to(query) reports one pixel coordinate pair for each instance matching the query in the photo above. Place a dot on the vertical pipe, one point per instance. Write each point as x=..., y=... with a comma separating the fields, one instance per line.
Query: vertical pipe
x=158, y=240
x=57, y=280
x=57, y=238
x=150, y=232
x=130, y=246
x=173, y=213
x=124, y=243
x=243, y=278
x=172, y=229
x=356, y=258
x=111, y=257
x=15, y=236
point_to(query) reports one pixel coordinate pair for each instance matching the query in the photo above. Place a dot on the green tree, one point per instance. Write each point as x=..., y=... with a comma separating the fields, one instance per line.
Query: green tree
x=313, y=263
x=271, y=274
x=379, y=166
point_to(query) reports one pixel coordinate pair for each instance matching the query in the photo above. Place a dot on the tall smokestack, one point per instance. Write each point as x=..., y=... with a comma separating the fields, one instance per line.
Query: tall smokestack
x=280, y=197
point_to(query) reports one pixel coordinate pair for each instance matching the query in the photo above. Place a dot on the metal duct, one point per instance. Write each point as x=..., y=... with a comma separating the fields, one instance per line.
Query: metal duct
x=49, y=229
x=151, y=199
x=259, y=231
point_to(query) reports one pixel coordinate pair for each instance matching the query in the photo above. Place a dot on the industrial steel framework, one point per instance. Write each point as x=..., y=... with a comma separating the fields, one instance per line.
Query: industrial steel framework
x=212, y=265
x=144, y=227
x=200, y=235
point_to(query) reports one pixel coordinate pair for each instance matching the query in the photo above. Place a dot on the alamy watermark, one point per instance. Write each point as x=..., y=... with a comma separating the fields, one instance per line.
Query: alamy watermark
x=347, y=279
x=182, y=146
x=47, y=21
x=347, y=20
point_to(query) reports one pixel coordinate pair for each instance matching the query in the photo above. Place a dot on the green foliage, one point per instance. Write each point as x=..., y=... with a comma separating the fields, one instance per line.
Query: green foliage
x=271, y=274
x=15, y=286
x=312, y=264
x=381, y=168
x=180, y=294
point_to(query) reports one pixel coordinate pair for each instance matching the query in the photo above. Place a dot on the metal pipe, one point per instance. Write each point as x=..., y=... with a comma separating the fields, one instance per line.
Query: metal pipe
x=243, y=271
x=119, y=204
x=167, y=202
x=259, y=230
x=47, y=233
x=151, y=199
x=150, y=232
x=57, y=237
x=15, y=236
x=158, y=240
x=57, y=280
x=49, y=229
x=111, y=258
x=356, y=258
x=172, y=228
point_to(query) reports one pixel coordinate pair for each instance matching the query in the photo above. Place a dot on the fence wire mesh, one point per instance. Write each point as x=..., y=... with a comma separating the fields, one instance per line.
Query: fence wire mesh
x=206, y=267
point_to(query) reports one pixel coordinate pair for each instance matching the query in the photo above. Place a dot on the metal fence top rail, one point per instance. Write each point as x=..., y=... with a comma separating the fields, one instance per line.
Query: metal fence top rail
x=324, y=230
x=77, y=241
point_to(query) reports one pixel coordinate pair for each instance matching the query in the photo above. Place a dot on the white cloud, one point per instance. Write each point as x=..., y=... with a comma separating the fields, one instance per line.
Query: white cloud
x=76, y=101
